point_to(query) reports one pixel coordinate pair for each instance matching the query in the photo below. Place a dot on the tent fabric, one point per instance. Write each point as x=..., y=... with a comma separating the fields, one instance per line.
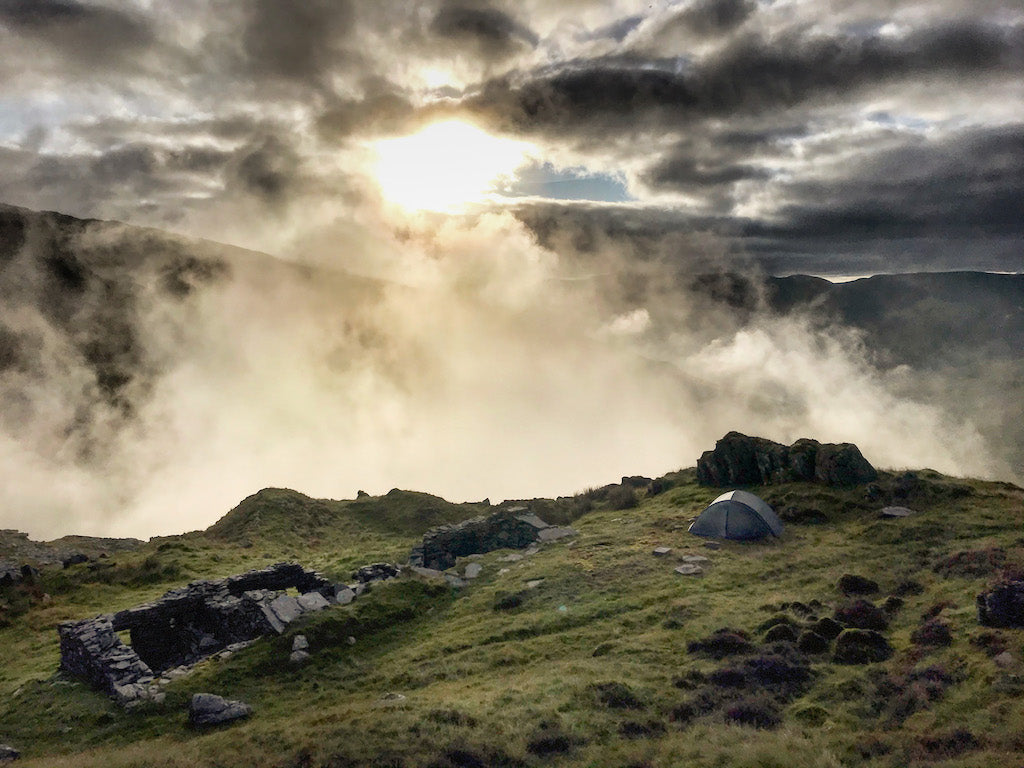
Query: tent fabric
x=737, y=515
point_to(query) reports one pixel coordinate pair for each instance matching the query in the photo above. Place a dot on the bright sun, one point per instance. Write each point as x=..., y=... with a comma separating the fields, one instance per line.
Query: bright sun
x=445, y=166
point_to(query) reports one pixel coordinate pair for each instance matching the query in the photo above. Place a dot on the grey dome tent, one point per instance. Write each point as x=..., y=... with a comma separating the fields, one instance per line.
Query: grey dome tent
x=737, y=515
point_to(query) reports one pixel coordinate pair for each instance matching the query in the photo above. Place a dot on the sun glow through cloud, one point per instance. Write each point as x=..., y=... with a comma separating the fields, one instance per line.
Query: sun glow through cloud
x=446, y=166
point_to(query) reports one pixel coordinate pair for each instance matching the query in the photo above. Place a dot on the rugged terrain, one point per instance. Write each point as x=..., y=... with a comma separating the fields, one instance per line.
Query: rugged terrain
x=592, y=651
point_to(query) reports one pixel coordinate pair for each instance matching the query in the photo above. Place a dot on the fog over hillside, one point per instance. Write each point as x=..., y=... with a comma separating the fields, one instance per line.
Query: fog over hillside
x=149, y=382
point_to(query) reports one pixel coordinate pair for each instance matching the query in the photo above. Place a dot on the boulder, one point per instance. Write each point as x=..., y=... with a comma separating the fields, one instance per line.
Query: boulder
x=662, y=551
x=861, y=646
x=300, y=643
x=473, y=570
x=298, y=657
x=1003, y=605
x=207, y=709
x=741, y=460
x=8, y=754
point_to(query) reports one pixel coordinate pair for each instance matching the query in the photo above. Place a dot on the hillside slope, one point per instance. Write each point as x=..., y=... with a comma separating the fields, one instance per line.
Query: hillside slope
x=589, y=652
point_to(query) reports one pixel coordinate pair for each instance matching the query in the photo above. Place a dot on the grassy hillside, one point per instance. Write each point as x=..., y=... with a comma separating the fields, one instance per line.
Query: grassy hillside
x=585, y=654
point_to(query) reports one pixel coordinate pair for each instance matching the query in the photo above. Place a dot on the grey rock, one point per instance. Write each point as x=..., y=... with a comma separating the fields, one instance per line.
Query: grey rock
x=473, y=570
x=390, y=696
x=376, y=572
x=895, y=512
x=298, y=657
x=662, y=551
x=741, y=460
x=313, y=601
x=8, y=754
x=207, y=709
x=286, y=608
x=350, y=640
x=534, y=583
x=1005, y=660
x=504, y=529
x=512, y=557
x=454, y=580
x=300, y=643
x=343, y=595
x=553, y=534
x=689, y=569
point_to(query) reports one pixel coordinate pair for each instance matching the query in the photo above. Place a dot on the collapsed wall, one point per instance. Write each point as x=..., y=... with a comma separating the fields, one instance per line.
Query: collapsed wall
x=189, y=624
x=512, y=528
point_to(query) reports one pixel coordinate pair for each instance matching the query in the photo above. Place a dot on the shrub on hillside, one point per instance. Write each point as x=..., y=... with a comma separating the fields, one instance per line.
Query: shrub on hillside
x=722, y=643
x=616, y=695
x=862, y=614
x=757, y=712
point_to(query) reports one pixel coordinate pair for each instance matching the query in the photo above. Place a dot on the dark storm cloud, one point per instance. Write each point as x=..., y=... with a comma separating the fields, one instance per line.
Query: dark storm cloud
x=710, y=17
x=685, y=170
x=750, y=75
x=300, y=42
x=92, y=34
x=383, y=108
x=267, y=169
x=495, y=33
x=970, y=184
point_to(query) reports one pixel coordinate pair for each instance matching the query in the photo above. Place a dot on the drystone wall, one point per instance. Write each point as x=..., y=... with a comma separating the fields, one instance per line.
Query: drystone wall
x=189, y=624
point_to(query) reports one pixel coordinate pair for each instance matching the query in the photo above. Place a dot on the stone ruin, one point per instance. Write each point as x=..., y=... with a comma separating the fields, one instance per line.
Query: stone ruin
x=189, y=624
x=741, y=460
x=207, y=618
x=511, y=528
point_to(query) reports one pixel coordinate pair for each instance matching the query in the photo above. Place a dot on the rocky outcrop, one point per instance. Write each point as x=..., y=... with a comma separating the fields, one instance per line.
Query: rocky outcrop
x=513, y=528
x=741, y=460
x=1003, y=605
x=188, y=624
x=206, y=709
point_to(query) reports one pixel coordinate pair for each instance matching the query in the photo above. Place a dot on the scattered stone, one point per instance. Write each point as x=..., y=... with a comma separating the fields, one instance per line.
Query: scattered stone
x=207, y=709
x=505, y=529
x=376, y=572
x=513, y=557
x=75, y=558
x=849, y=584
x=455, y=581
x=553, y=534
x=534, y=583
x=473, y=570
x=343, y=595
x=895, y=512
x=689, y=569
x=350, y=640
x=861, y=646
x=8, y=754
x=300, y=643
x=1005, y=660
x=662, y=551
x=313, y=601
x=298, y=657
x=696, y=559
x=741, y=460
x=391, y=696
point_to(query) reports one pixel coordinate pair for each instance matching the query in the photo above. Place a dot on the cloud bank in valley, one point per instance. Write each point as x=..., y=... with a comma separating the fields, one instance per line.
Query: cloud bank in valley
x=546, y=341
x=486, y=365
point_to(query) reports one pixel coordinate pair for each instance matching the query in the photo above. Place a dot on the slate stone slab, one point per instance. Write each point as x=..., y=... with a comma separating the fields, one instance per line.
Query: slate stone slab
x=553, y=534
x=689, y=569
x=286, y=608
x=298, y=657
x=207, y=709
x=8, y=754
x=473, y=570
x=313, y=601
x=662, y=551
x=895, y=512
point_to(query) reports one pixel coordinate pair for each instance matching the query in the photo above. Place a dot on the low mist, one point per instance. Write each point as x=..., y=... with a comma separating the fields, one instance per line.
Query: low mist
x=471, y=362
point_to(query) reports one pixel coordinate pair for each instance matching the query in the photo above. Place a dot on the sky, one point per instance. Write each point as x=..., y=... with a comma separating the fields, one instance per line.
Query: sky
x=485, y=220
x=831, y=137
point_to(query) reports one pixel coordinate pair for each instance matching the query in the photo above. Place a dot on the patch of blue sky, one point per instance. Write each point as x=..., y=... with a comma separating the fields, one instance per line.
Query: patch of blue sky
x=552, y=183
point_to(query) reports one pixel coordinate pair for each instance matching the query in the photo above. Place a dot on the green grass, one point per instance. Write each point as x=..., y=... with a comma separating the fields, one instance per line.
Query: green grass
x=489, y=684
